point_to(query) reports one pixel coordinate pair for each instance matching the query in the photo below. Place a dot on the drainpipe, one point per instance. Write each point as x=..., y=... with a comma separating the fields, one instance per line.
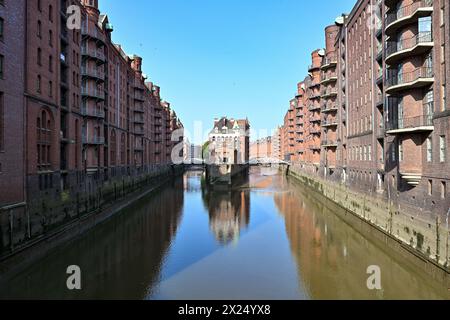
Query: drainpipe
x=447, y=231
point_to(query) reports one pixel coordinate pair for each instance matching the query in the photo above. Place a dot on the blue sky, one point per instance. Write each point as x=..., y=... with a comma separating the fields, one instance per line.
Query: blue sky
x=240, y=58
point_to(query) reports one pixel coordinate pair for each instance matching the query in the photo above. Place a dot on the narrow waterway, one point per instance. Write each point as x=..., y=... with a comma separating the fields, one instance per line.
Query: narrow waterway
x=267, y=239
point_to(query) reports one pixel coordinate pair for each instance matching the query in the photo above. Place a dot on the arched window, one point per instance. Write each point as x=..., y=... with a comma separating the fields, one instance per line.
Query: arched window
x=44, y=126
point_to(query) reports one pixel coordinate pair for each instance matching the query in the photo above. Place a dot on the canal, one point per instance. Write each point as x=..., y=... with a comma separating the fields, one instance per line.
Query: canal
x=267, y=239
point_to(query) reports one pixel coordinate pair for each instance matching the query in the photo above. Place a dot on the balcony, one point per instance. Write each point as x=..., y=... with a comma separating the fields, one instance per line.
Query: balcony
x=314, y=107
x=138, y=148
x=313, y=67
x=138, y=84
x=315, y=131
x=314, y=148
x=329, y=107
x=314, y=119
x=93, y=33
x=93, y=93
x=405, y=125
x=94, y=113
x=379, y=51
x=93, y=53
x=329, y=123
x=411, y=178
x=328, y=78
x=314, y=84
x=329, y=143
x=139, y=131
x=94, y=140
x=416, y=45
x=139, y=96
x=379, y=100
x=329, y=62
x=407, y=14
x=418, y=78
x=314, y=95
x=93, y=73
x=138, y=120
x=329, y=93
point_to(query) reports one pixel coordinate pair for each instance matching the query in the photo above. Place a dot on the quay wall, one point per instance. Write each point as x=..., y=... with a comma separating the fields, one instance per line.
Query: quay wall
x=44, y=216
x=423, y=241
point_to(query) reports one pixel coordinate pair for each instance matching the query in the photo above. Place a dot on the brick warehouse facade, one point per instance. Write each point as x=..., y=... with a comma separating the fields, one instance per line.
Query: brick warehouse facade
x=383, y=115
x=80, y=123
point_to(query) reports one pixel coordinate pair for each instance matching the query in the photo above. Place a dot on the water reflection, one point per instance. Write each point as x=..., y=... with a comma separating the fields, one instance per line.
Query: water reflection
x=120, y=259
x=333, y=258
x=175, y=244
x=229, y=212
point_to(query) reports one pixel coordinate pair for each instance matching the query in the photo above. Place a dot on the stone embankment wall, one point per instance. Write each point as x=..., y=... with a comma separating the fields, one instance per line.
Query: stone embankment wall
x=423, y=236
x=44, y=216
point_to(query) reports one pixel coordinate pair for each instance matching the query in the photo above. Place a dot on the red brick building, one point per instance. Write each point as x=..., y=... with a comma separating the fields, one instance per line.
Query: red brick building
x=77, y=115
x=383, y=114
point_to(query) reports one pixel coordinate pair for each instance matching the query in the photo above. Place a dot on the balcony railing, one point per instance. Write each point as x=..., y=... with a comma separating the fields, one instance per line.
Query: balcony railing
x=96, y=93
x=329, y=76
x=409, y=43
x=314, y=95
x=329, y=61
x=314, y=107
x=329, y=107
x=329, y=123
x=93, y=32
x=407, y=11
x=96, y=113
x=91, y=72
x=409, y=77
x=329, y=143
x=314, y=84
x=139, y=96
x=95, y=140
x=139, y=120
x=410, y=123
x=94, y=53
x=329, y=93
x=314, y=147
x=312, y=67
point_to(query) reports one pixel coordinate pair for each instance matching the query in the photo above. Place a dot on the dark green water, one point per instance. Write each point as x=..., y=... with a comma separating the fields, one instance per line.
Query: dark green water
x=268, y=239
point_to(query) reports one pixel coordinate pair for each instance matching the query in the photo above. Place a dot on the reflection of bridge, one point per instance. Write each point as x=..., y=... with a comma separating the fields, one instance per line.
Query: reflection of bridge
x=266, y=161
x=201, y=164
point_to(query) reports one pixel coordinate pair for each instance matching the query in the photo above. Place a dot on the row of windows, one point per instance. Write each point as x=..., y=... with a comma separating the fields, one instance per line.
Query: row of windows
x=361, y=125
x=361, y=153
x=442, y=149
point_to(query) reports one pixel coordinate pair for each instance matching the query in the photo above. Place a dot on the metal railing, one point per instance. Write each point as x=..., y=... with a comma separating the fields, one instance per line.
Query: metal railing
x=93, y=32
x=329, y=123
x=93, y=53
x=93, y=92
x=91, y=72
x=408, y=77
x=92, y=140
x=408, y=43
x=331, y=59
x=410, y=122
x=407, y=10
x=329, y=92
x=85, y=111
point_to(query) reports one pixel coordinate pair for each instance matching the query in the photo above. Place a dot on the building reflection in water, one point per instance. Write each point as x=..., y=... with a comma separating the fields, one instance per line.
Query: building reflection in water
x=332, y=257
x=119, y=259
x=229, y=212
